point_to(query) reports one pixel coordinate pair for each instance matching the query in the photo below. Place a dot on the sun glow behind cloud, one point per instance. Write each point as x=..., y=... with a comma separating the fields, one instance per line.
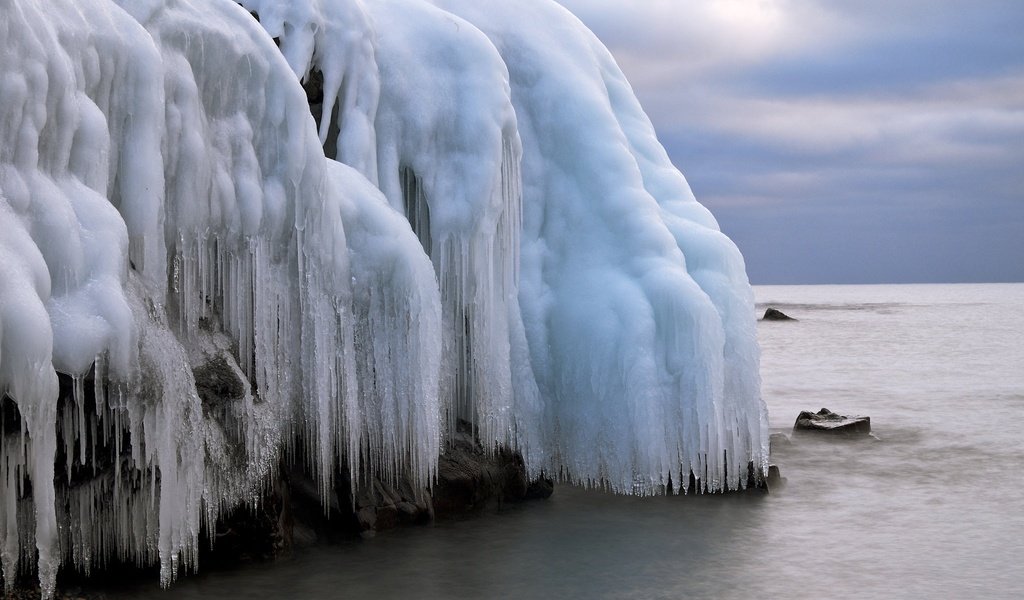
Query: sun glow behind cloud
x=670, y=38
x=895, y=126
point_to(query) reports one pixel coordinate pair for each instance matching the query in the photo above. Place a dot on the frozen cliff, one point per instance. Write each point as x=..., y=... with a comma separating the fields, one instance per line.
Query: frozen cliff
x=383, y=216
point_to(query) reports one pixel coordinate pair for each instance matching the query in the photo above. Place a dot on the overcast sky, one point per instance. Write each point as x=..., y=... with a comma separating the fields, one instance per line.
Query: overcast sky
x=870, y=141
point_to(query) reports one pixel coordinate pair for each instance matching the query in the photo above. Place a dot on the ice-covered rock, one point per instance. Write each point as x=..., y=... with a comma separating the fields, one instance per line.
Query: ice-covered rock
x=506, y=243
x=637, y=309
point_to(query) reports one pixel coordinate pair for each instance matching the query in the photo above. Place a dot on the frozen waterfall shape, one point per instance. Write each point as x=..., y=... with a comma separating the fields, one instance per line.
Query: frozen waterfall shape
x=445, y=150
x=506, y=243
x=165, y=201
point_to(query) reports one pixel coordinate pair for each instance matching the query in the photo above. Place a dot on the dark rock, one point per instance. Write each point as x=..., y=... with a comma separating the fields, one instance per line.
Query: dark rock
x=469, y=479
x=248, y=534
x=367, y=519
x=375, y=506
x=408, y=511
x=756, y=481
x=217, y=382
x=305, y=520
x=100, y=455
x=29, y=592
x=774, y=480
x=826, y=421
x=385, y=493
x=540, y=488
x=774, y=314
x=763, y=482
x=302, y=535
x=289, y=511
x=464, y=481
x=313, y=85
x=778, y=440
x=388, y=517
x=10, y=417
x=252, y=532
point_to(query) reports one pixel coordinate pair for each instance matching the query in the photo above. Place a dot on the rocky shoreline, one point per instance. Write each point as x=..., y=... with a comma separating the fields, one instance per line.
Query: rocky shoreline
x=471, y=482
x=291, y=515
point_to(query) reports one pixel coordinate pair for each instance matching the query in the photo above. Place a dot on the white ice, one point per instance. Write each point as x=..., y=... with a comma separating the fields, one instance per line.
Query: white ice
x=506, y=243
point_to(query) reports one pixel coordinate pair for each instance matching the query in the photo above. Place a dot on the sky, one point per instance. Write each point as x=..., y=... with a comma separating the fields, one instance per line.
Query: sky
x=869, y=141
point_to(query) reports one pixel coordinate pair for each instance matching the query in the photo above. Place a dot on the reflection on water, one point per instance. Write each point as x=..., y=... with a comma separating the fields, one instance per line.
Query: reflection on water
x=933, y=509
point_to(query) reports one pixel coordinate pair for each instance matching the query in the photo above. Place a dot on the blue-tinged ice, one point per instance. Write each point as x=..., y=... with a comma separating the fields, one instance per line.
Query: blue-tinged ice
x=497, y=237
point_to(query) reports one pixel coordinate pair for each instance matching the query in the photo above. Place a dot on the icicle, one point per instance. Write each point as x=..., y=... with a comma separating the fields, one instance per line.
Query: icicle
x=541, y=272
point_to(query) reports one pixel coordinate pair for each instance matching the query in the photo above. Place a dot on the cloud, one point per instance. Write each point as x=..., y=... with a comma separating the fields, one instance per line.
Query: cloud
x=660, y=40
x=940, y=121
x=895, y=126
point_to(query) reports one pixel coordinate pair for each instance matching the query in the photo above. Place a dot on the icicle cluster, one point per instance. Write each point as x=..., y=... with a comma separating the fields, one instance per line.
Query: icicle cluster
x=506, y=243
x=637, y=308
x=508, y=125
x=162, y=181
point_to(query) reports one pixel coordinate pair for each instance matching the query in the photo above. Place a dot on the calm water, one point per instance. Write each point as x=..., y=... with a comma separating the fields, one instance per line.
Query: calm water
x=933, y=509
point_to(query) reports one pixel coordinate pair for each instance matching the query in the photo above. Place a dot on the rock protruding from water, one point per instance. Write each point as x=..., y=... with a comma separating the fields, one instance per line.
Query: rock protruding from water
x=778, y=440
x=470, y=479
x=774, y=314
x=826, y=421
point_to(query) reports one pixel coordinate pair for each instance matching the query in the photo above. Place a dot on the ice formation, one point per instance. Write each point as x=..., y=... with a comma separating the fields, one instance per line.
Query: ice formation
x=377, y=217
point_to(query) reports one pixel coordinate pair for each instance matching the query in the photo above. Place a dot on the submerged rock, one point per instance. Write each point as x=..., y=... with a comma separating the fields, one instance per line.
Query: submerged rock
x=826, y=421
x=778, y=440
x=774, y=314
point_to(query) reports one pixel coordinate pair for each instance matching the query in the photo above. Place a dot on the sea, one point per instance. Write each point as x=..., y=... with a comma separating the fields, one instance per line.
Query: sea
x=931, y=506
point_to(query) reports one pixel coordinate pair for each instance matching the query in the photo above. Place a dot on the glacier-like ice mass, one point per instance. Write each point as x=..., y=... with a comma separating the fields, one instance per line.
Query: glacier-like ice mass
x=464, y=215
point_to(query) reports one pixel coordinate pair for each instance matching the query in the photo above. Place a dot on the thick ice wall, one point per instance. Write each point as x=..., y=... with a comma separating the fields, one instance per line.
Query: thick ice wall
x=177, y=130
x=448, y=156
x=120, y=129
x=618, y=253
x=713, y=261
x=27, y=376
x=636, y=307
x=81, y=173
x=65, y=246
x=258, y=246
x=261, y=245
x=397, y=323
x=336, y=39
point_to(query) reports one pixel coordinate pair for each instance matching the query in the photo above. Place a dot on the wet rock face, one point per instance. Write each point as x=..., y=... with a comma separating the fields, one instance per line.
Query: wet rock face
x=828, y=422
x=469, y=480
x=774, y=314
x=249, y=533
x=774, y=480
x=218, y=382
x=379, y=506
x=290, y=513
x=10, y=417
